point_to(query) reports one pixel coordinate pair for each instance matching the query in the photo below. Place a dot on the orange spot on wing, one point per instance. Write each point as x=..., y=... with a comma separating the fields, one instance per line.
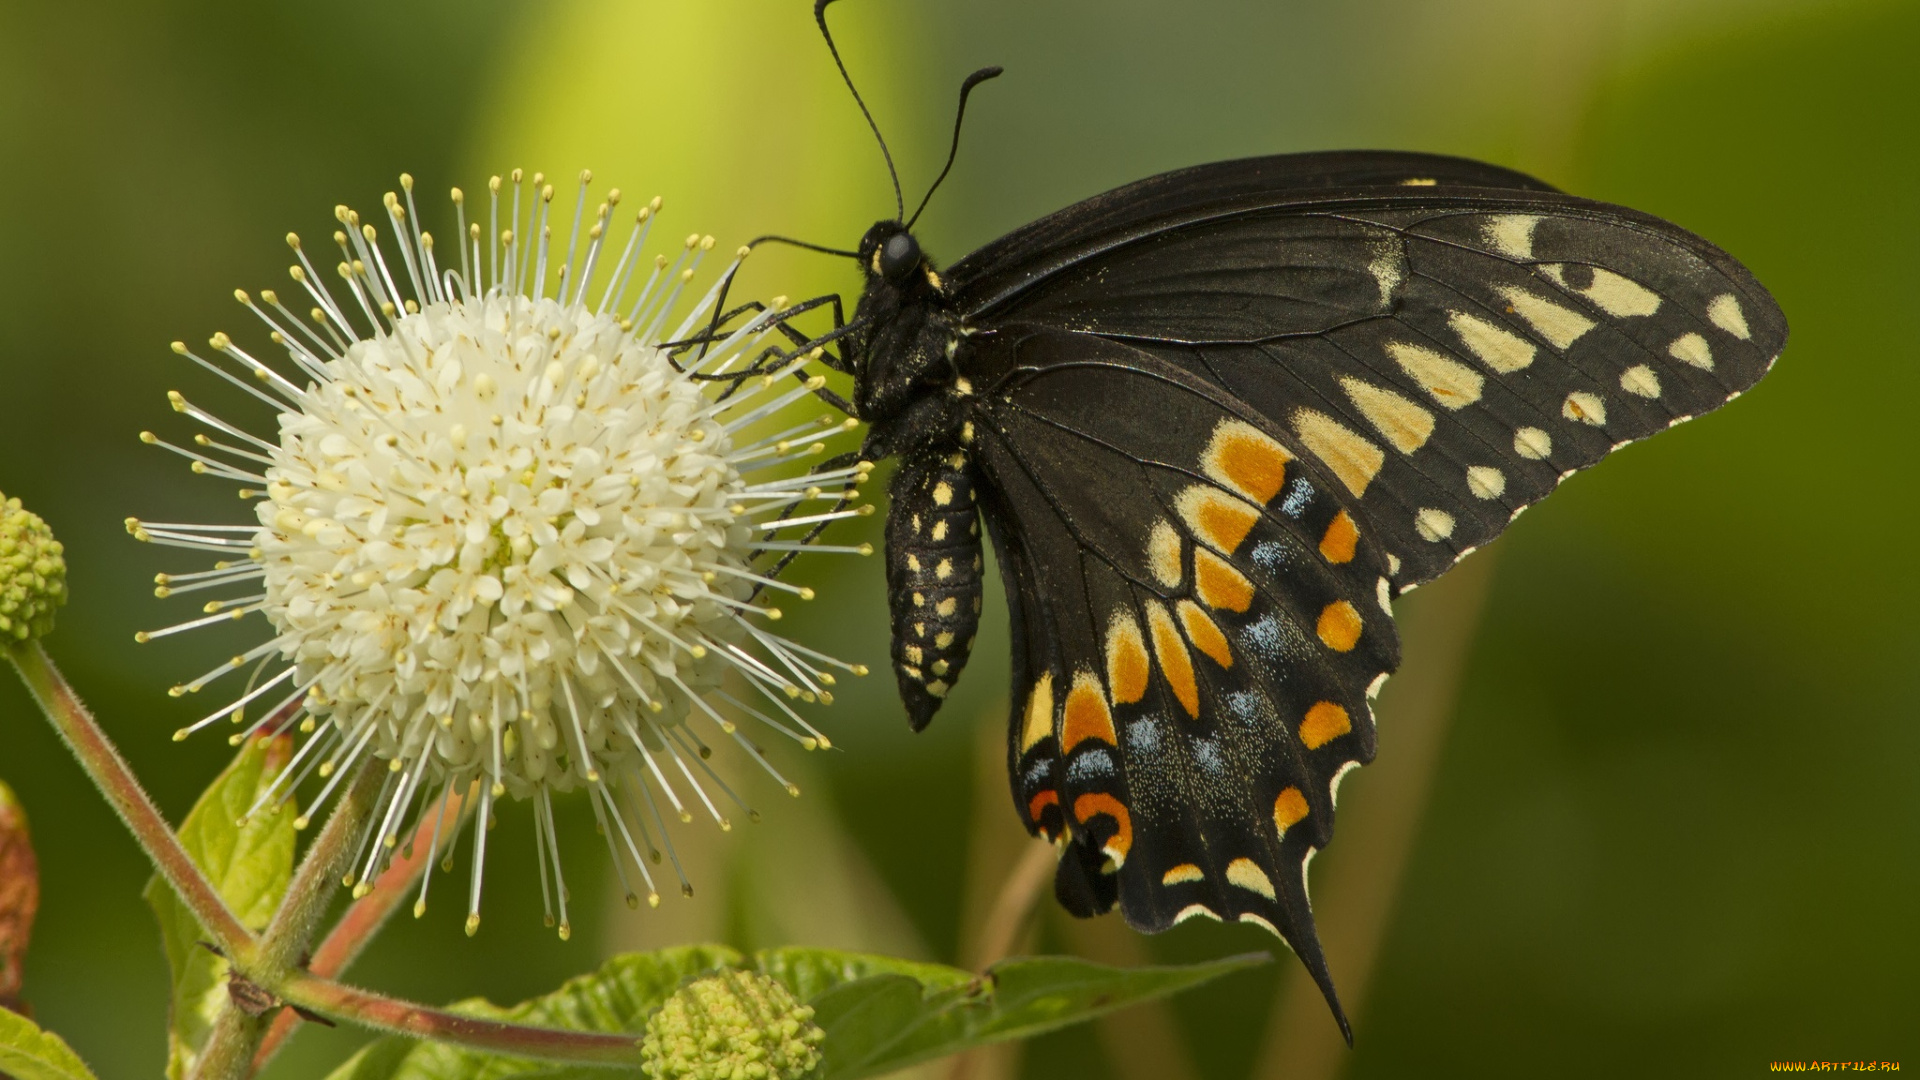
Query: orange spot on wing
x=1245, y=459
x=1204, y=634
x=1175, y=664
x=1039, y=803
x=1289, y=810
x=1324, y=723
x=1127, y=666
x=1216, y=517
x=1218, y=584
x=1095, y=803
x=1339, y=627
x=1337, y=545
x=1086, y=715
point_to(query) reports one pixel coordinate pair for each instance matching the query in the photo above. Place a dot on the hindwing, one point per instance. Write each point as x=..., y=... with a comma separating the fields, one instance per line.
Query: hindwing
x=1200, y=622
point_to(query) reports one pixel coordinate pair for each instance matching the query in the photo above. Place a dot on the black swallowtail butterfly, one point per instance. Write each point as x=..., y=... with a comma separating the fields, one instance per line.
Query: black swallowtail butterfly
x=1214, y=421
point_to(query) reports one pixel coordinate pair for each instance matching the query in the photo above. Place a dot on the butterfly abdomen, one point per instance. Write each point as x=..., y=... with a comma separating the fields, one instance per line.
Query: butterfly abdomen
x=933, y=577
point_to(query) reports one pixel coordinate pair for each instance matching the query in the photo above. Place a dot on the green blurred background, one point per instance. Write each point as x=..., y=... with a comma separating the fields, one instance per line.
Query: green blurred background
x=1675, y=827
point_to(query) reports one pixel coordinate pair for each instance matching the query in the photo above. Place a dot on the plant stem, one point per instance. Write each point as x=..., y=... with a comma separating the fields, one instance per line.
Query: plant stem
x=109, y=772
x=362, y=920
x=234, y=1049
x=340, y=1002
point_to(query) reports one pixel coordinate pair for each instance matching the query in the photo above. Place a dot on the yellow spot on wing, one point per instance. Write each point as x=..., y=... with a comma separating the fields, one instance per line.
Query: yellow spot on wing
x=1175, y=664
x=1127, y=665
x=1163, y=554
x=1433, y=524
x=1486, y=482
x=1183, y=872
x=1242, y=457
x=1352, y=459
x=1216, y=517
x=1512, y=234
x=1204, y=634
x=1585, y=408
x=1610, y=292
x=1560, y=326
x=1640, y=379
x=1095, y=803
x=1247, y=874
x=1339, y=626
x=1039, y=713
x=1086, y=715
x=1532, y=443
x=1218, y=584
x=1691, y=348
x=1289, y=810
x=1500, y=350
x=1406, y=425
x=1453, y=384
x=1726, y=314
x=1324, y=723
x=1338, y=542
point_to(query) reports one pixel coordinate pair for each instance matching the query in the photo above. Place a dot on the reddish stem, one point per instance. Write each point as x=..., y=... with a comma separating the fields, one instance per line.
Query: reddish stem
x=364, y=919
x=109, y=772
x=339, y=1001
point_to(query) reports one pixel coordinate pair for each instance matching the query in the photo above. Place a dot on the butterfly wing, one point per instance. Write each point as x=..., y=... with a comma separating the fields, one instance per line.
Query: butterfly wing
x=1199, y=626
x=1224, y=414
x=1449, y=353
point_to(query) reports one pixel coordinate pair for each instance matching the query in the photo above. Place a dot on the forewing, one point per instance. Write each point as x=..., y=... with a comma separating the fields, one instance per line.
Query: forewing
x=1447, y=354
x=1199, y=625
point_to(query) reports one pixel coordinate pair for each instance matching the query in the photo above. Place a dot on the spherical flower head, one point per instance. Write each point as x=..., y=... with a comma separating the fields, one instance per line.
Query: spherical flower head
x=735, y=1025
x=514, y=525
x=33, y=574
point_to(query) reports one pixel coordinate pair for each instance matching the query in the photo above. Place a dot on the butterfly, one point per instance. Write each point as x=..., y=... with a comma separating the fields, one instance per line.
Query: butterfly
x=1212, y=423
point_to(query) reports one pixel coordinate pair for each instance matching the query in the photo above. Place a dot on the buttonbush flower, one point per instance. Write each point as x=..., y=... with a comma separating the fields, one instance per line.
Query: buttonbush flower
x=514, y=525
x=33, y=574
x=734, y=1025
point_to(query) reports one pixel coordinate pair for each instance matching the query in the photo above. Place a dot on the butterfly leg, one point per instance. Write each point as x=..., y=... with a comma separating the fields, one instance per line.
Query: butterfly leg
x=852, y=488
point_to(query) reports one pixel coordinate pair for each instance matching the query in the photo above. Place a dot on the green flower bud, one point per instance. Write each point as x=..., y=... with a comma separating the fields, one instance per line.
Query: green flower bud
x=33, y=576
x=736, y=1025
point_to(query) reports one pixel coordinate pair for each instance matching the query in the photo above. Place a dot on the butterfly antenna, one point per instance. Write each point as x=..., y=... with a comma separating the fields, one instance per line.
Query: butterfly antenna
x=953, y=152
x=820, y=16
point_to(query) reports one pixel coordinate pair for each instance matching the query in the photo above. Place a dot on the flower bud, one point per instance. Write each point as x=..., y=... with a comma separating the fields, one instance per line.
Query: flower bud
x=33, y=575
x=734, y=1025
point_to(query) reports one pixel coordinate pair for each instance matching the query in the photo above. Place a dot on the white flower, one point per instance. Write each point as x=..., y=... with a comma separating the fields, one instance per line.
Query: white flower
x=509, y=538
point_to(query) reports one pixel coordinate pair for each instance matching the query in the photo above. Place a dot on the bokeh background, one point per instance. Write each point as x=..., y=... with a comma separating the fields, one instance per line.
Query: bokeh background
x=1672, y=820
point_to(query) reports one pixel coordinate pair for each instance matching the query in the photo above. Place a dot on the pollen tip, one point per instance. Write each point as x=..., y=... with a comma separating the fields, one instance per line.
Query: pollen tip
x=725, y=825
x=806, y=593
x=773, y=614
x=419, y=908
x=473, y=925
x=653, y=899
x=866, y=549
x=685, y=816
x=361, y=890
x=236, y=739
x=686, y=890
x=861, y=669
x=826, y=743
x=793, y=790
x=809, y=743
x=593, y=776
x=633, y=902
x=180, y=735
x=176, y=690
x=241, y=295
x=498, y=789
x=142, y=637
x=300, y=823
x=826, y=697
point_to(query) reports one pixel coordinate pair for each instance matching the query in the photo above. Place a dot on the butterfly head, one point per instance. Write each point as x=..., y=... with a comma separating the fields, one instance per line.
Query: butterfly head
x=891, y=254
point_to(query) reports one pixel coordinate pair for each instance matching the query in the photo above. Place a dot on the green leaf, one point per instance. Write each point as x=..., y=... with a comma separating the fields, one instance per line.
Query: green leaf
x=27, y=1053
x=888, y=1022
x=880, y=1013
x=249, y=864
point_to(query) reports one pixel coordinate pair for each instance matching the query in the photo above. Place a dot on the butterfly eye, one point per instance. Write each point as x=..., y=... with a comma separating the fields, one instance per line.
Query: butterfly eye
x=899, y=255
